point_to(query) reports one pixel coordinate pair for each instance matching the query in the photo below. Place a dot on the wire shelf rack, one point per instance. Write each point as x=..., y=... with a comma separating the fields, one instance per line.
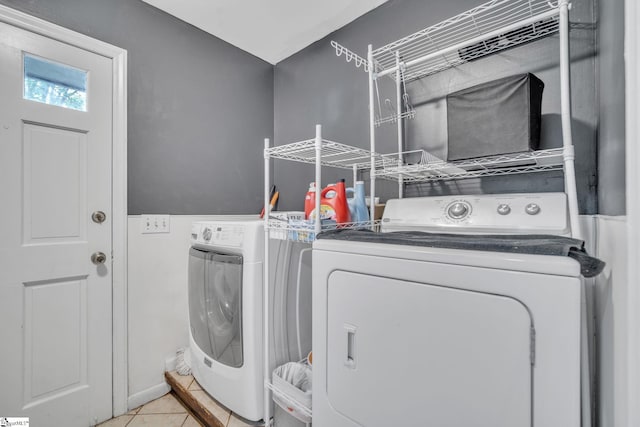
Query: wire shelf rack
x=430, y=168
x=333, y=154
x=303, y=231
x=487, y=29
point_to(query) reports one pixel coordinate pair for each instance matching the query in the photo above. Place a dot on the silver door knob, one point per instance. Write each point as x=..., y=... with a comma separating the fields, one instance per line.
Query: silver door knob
x=98, y=217
x=98, y=258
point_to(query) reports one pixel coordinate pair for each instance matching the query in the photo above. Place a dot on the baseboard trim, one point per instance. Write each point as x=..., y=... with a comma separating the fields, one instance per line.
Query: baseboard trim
x=146, y=396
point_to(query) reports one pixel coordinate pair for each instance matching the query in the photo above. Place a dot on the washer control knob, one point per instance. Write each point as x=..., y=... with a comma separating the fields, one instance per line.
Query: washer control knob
x=532, y=209
x=206, y=234
x=504, y=209
x=458, y=210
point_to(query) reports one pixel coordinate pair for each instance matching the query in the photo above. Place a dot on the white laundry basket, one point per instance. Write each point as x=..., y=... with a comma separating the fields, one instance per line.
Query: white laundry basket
x=292, y=389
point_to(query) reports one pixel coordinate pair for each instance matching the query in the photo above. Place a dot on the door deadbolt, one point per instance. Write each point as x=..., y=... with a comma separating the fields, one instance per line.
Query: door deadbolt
x=98, y=258
x=98, y=217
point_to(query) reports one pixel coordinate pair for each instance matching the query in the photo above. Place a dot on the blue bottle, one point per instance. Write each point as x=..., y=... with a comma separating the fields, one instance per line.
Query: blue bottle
x=357, y=204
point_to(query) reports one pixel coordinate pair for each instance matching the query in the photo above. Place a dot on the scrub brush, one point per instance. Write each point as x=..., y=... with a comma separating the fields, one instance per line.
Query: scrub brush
x=183, y=361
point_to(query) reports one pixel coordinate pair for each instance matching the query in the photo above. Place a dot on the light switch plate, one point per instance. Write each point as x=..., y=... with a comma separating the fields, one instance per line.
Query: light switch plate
x=155, y=224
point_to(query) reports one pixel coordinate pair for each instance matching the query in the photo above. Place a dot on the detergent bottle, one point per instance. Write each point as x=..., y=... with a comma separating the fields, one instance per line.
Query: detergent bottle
x=310, y=200
x=358, y=204
x=335, y=207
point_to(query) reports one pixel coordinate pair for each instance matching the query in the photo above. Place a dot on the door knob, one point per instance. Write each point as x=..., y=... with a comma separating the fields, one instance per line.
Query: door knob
x=98, y=217
x=98, y=258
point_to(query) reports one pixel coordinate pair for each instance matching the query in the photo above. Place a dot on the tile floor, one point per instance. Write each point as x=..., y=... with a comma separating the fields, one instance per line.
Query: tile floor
x=168, y=411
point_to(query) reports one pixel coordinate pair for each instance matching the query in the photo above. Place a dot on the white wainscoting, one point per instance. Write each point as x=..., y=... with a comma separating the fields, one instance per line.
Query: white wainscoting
x=610, y=317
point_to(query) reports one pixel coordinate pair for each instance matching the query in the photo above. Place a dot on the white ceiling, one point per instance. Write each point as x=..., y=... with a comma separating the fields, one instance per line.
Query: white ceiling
x=269, y=29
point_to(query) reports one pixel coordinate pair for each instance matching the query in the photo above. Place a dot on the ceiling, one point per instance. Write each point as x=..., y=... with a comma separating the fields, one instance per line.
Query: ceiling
x=269, y=29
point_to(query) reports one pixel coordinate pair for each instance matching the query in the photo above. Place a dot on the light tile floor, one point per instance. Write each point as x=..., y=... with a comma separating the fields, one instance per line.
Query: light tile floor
x=167, y=411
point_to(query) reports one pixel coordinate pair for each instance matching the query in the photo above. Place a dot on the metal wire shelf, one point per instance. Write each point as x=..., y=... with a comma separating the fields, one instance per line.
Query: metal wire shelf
x=334, y=154
x=303, y=231
x=489, y=28
x=430, y=168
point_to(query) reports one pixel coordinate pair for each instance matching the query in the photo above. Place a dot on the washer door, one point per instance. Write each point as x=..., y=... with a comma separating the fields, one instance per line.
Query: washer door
x=215, y=305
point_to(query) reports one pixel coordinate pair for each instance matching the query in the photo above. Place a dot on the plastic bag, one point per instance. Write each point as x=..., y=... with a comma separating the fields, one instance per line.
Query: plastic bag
x=292, y=389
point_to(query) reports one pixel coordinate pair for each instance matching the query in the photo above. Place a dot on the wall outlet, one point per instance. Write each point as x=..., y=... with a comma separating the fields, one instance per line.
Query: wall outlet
x=155, y=224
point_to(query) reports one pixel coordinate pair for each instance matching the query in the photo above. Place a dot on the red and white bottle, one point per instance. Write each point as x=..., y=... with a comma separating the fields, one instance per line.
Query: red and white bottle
x=310, y=200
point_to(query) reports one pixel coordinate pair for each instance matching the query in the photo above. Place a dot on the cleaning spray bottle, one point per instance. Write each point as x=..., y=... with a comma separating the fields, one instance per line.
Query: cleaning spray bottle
x=358, y=204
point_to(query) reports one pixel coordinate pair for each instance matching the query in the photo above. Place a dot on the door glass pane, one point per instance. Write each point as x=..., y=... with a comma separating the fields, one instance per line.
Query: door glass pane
x=54, y=83
x=223, y=303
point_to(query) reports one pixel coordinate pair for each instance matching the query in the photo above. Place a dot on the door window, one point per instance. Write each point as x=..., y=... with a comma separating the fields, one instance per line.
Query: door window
x=54, y=83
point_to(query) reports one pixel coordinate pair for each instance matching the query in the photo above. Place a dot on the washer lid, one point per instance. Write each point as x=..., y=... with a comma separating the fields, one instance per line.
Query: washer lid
x=542, y=264
x=534, y=244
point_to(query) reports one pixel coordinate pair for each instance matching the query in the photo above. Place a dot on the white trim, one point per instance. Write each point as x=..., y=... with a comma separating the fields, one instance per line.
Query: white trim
x=120, y=221
x=146, y=396
x=632, y=68
x=119, y=180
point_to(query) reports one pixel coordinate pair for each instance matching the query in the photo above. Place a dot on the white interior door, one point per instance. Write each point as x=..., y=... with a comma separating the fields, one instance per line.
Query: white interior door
x=55, y=170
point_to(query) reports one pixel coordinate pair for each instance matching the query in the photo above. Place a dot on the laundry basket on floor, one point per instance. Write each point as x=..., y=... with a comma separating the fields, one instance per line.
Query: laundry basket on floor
x=292, y=389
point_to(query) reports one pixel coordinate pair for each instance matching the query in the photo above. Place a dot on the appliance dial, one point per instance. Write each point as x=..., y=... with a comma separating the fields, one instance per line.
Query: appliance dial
x=458, y=210
x=504, y=209
x=532, y=209
x=206, y=234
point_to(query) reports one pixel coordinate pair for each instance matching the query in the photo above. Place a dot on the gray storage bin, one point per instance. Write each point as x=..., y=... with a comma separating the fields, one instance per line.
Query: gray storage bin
x=498, y=117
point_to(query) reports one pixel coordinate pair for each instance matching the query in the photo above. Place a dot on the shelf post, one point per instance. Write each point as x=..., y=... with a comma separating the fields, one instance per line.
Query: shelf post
x=565, y=101
x=372, y=136
x=265, y=290
x=400, y=122
x=355, y=176
x=318, y=223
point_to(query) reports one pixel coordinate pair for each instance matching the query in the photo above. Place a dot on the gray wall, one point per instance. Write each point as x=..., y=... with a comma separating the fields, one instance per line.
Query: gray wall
x=611, y=132
x=315, y=86
x=198, y=108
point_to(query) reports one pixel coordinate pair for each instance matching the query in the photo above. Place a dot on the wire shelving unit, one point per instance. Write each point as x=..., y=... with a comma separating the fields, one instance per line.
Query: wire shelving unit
x=490, y=28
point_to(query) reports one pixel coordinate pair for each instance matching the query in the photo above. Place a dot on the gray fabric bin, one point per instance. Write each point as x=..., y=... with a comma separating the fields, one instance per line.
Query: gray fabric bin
x=498, y=117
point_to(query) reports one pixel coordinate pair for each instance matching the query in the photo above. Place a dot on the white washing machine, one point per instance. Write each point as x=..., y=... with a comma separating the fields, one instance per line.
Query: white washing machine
x=225, y=309
x=225, y=312
x=412, y=335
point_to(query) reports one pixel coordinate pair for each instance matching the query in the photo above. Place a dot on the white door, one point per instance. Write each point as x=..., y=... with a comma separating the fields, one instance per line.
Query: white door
x=55, y=172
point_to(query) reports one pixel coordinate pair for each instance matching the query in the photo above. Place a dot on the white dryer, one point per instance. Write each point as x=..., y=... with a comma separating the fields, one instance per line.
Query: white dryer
x=412, y=335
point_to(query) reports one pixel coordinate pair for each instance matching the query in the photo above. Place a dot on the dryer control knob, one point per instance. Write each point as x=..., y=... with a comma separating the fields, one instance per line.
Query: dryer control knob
x=206, y=234
x=458, y=210
x=532, y=209
x=504, y=209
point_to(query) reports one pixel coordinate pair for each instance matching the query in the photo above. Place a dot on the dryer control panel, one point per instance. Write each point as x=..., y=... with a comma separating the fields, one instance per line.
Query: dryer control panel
x=544, y=213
